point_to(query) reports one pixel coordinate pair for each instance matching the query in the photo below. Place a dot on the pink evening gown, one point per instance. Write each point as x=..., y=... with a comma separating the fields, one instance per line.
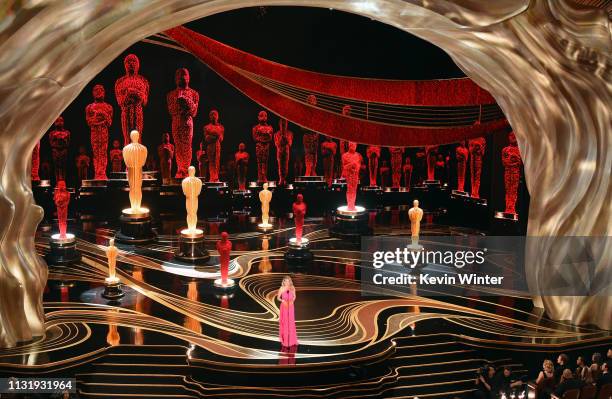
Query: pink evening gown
x=286, y=322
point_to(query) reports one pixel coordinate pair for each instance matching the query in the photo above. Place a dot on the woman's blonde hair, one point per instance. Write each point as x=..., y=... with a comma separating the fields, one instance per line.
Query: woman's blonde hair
x=548, y=365
x=287, y=278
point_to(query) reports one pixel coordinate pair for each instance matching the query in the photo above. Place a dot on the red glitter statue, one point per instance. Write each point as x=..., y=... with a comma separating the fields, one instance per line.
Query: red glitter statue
x=213, y=136
x=385, y=171
x=431, y=153
x=461, y=153
x=477, y=148
x=397, y=155
x=35, y=162
x=182, y=106
x=328, y=154
x=165, y=152
x=373, y=153
x=116, y=157
x=407, y=169
x=82, y=164
x=202, y=161
x=132, y=92
x=311, y=147
x=511, y=159
x=59, y=138
x=224, y=246
x=351, y=164
x=283, y=139
x=99, y=116
x=343, y=144
x=61, y=197
x=262, y=135
x=242, y=163
x=299, y=212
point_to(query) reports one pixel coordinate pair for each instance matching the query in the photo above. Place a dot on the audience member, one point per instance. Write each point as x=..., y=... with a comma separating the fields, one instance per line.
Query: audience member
x=605, y=377
x=583, y=372
x=483, y=382
x=505, y=383
x=562, y=364
x=595, y=365
x=545, y=382
x=567, y=382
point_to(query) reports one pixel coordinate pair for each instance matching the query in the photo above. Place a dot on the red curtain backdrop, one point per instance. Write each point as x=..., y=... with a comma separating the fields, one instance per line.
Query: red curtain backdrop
x=238, y=67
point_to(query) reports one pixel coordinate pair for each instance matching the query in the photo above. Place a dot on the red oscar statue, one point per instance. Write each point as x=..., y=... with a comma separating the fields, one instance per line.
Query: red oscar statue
x=373, y=154
x=511, y=159
x=132, y=92
x=431, y=154
x=299, y=212
x=213, y=136
x=202, y=161
x=461, y=153
x=165, y=153
x=351, y=164
x=343, y=145
x=262, y=135
x=99, y=116
x=385, y=171
x=407, y=169
x=328, y=155
x=477, y=148
x=311, y=147
x=82, y=164
x=283, y=139
x=59, y=138
x=224, y=247
x=116, y=157
x=397, y=155
x=182, y=106
x=242, y=163
x=61, y=197
x=35, y=162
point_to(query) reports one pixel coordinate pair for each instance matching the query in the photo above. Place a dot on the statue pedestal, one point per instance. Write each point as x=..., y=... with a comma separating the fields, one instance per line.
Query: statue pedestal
x=372, y=196
x=479, y=201
x=298, y=253
x=506, y=216
x=432, y=182
x=112, y=289
x=63, y=250
x=459, y=193
x=241, y=200
x=191, y=247
x=135, y=227
x=227, y=286
x=310, y=183
x=93, y=197
x=350, y=225
x=506, y=224
x=264, y=227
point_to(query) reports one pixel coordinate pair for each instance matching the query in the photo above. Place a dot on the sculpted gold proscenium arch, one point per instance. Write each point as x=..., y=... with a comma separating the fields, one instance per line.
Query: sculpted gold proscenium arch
x=546, y=63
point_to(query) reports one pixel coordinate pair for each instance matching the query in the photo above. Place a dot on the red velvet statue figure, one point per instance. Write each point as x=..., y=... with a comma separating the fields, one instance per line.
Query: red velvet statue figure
x=407, y=169
x=59, y=138
x=299, y=212
x=344, y=144
x=242, y=163
x=461, y=153
x=35, y=163
x=99, y=116
x=385, y=171
x=165, y=153
x=262, y=135
x=116, y=157
x=477, y=148
x=132, y=92
x=283, y=139
x=351, y=164
x=511, y=159
x=397, y=155
x=213, y=136
x=373, y=153
x=82, y=165
x=202, y=161
x=61, y=197
x=311, y=147
x=224, y=246
x=431, y=153
x=328, y=154
x=182, y=106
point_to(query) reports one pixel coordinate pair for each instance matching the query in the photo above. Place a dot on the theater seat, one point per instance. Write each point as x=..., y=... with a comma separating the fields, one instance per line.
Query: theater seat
x=571, y=394
x=588, y=391
x=605, y=392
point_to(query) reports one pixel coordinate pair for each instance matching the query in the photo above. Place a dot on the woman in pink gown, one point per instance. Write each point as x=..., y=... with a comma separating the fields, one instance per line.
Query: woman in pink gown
x=286, y=326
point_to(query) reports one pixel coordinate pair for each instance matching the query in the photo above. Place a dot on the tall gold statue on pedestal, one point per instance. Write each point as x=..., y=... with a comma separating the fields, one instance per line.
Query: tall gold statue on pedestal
x=135, y=156
x=415, y=214
x=265, y=196
x=192, y=187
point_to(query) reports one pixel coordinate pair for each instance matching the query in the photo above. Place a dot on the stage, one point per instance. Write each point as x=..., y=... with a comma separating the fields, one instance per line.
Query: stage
x=174, y=334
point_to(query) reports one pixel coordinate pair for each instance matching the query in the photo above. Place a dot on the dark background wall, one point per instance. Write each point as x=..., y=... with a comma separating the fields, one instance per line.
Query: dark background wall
x=320, y=40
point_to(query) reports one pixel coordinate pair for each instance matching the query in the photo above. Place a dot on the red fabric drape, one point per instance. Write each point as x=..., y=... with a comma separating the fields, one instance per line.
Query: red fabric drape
x=231, y=63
